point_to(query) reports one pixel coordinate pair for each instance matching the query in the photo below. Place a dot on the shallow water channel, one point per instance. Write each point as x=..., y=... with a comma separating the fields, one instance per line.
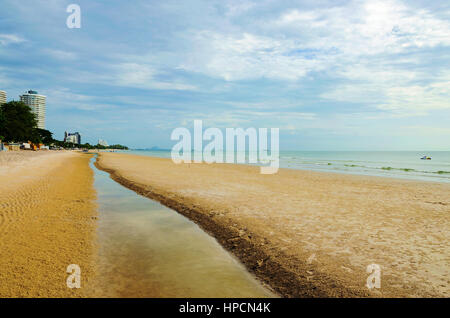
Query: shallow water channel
x=148, y=250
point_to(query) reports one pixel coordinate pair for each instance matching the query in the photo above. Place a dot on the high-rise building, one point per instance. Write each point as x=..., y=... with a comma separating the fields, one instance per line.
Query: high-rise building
x=2, y=97
x=74, y=138
x=37, y=104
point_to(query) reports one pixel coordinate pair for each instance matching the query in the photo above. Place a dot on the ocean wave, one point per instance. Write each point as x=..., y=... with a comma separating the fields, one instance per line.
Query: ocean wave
x=400, y=169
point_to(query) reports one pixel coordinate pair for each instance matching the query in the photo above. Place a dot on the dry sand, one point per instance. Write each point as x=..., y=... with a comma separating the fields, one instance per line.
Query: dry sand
x=308, y=233
x=47, y=221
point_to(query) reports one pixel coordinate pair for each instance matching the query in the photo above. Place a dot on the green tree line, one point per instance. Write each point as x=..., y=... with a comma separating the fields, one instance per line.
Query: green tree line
x=18, y=124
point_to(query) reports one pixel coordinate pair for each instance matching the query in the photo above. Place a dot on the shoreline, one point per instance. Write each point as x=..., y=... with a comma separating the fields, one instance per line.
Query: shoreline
x=286, y=267
x=427, y=176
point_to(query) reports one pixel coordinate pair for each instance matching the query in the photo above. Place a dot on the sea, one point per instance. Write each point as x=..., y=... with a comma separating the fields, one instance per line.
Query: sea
x=393, y=164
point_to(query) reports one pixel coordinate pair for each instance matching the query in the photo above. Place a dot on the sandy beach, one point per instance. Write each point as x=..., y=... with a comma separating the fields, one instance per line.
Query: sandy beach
x=305, y=234
x=47, y=221
x=309, y=234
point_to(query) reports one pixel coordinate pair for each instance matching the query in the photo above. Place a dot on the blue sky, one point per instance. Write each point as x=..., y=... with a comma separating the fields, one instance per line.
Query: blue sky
x=332, y=75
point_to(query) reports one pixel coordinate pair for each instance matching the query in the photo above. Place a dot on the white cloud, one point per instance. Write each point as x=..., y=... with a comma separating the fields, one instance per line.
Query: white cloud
x=366, y=28
x=133, y=74
x=144, y=76
x=235, y=8
x=6, y=39
x=418, y=99
x=394, y=91
x=298, y=42
x=61, y=55
x=247, y=56
x=130, y=74
x=64, y=98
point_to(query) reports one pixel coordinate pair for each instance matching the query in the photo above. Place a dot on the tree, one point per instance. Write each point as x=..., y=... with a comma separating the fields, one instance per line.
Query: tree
x=42, y=135
x=17, y=122
x=2, y=124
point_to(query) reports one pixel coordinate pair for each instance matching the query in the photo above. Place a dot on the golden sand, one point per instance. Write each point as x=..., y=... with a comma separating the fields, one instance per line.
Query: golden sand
x=309, y=233
x=47, y=221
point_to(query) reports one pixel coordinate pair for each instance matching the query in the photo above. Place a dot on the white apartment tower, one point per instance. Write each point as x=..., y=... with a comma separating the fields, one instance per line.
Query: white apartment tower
x=74, y=138
x=37, y=104
x=2, y=97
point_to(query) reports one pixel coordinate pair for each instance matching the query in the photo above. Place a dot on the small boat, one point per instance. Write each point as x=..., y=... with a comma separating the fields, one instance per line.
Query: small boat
x=426, y=158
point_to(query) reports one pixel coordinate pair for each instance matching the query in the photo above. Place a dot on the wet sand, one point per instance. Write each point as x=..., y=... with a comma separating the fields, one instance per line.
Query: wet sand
x=47, y=221
x=309, y=234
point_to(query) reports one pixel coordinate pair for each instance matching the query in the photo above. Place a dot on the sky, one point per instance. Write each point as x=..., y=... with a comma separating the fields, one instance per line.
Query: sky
x=331, y=75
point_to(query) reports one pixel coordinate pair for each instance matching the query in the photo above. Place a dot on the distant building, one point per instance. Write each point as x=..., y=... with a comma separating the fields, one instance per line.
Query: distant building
x=74, y=138
x=2, y=97
x=102, y=142
x=37, y=104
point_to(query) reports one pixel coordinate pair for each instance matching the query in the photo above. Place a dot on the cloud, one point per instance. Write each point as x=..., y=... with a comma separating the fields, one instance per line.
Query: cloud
x=400, y=92
x=418, y=99
x=145, y=77
x=236, y=8
x=244, y=118
x=6, y=39
x=61, y=55
x=365, y=28
x=247, y=56
x=316, y=69
x=299, y=42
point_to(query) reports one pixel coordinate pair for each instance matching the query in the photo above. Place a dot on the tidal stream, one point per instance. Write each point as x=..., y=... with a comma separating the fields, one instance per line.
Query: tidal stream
x=148, y=250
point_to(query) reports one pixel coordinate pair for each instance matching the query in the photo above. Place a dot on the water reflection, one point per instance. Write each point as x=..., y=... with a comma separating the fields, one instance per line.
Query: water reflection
x=148, y=250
